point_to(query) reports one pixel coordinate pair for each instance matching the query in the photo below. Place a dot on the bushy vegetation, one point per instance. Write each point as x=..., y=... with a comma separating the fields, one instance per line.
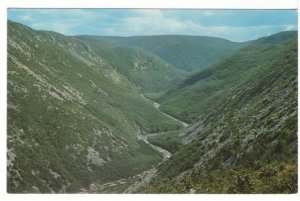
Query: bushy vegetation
x=67, y=106
x=207, y=88
x=154, y=96
x=168, y=140
x=145, y=69
x=245, y=138
x=272, y=178
x=75, y=110
x=187, y=53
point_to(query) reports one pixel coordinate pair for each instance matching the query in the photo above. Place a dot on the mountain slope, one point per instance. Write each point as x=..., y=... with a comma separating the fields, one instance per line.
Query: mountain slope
x=76, y=116
x=144, y=69
x=187, y=53
x=204, y=89
x=73, y=120
x=243, y=138
x=277, y=38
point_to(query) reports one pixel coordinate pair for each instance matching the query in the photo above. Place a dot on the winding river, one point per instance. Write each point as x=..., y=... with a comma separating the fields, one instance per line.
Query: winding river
x=145, y=177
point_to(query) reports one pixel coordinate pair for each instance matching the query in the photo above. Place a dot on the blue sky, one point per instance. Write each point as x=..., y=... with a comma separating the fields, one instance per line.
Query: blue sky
x=235, y=25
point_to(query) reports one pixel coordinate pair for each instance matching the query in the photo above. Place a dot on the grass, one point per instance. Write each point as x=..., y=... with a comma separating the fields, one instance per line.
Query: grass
x=154, y=96
x=167, y=140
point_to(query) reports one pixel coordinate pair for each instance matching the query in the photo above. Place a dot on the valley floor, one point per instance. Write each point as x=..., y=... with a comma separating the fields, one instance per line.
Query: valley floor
x=133, y=184
x=157, y=105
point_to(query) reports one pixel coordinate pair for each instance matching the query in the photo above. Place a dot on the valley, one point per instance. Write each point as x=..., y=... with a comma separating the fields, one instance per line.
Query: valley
x=151, y=114
x=140, y=180
x=157, y=105
x=86, y=113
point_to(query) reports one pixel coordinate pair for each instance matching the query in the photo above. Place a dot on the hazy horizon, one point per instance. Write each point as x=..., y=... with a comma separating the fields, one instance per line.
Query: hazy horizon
x=233, y=25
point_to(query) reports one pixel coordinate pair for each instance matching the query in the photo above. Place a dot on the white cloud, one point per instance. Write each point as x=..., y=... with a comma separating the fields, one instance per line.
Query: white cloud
x=64, y=21
x=149, y=13
x=26, y=18
x=153, y=22
x=65, y=12
x=290, y=27
x=65, y=27
x=208, y=13
x=140, y=22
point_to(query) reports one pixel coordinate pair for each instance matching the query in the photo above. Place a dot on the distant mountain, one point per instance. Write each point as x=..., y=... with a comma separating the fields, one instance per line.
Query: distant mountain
x=73, y=119
x=143, y=68
x=187, y=53
x=278, y=38
x=213, y=82
x=243, y=132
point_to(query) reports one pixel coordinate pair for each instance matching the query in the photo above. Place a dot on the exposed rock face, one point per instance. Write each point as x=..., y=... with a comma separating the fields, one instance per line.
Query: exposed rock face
x=94, y=158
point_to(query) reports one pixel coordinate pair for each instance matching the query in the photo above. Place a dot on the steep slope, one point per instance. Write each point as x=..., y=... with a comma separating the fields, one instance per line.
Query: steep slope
x=73, y=120
x=202, y=90
x=144, y=69
x=187, y=53
x=244, y=133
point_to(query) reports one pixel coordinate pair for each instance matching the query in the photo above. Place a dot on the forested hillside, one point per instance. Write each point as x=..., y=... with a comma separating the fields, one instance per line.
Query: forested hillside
x=82, y=116
x=187, y=53
x=243, y=136
x=73, y=119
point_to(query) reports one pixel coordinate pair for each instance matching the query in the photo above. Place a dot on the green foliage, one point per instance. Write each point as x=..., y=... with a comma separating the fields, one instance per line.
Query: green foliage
x=67, y=104
x=207, y=88
x=154, y=96
x=74, y=112
x=278, y=38
x=124, y=166
x=145, y=69
x=188, y=53
x=168, y=140
x=244, y=125
x=237, y=180
x=242, y=184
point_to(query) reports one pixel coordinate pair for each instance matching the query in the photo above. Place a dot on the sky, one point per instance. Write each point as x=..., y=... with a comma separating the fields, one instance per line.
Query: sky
x=234, y=25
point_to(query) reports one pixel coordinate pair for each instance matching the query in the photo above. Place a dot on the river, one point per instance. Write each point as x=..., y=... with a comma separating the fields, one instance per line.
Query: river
x=145, y=177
